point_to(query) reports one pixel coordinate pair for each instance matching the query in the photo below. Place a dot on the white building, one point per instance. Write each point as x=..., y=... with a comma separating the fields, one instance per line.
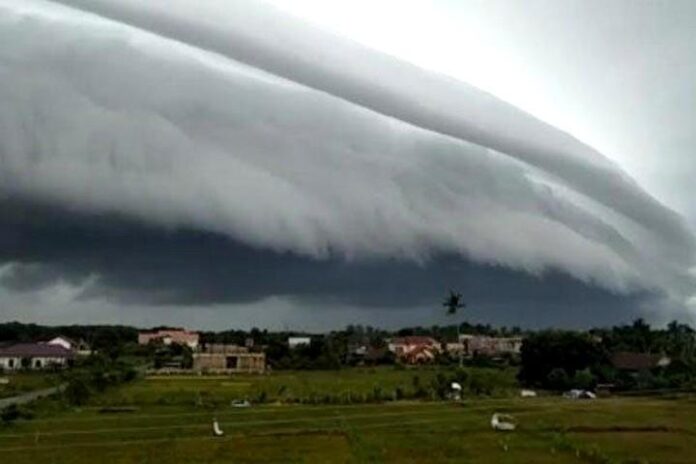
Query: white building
x=80, y=347
x=65, y=342
x=294, y=342
x=34, y=356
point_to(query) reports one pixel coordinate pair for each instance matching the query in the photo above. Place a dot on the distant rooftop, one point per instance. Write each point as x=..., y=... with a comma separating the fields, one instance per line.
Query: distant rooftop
x=638, y=361
x=35, y=350
x=414, y=340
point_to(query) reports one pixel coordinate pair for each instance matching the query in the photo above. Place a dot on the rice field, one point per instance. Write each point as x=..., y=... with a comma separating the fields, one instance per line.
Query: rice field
x=550, y=429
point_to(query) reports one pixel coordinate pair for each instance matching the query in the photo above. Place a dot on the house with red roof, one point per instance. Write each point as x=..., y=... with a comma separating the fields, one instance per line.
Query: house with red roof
x=415, y=349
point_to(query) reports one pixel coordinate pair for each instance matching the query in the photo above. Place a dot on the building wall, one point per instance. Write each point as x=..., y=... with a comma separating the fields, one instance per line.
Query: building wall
x=221, y=348
x=229, y=363
x=37, y=363
x=490, y=346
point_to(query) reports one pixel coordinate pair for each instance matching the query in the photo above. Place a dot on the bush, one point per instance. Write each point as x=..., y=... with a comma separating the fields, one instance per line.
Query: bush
x=77, y=393
x=377, y=393
x=418, y=390
x=13, y=413
x=482, y=383
x=260, y=397
x=583, y=379
x=441, y=386
x=10, y=414
x=399, y=393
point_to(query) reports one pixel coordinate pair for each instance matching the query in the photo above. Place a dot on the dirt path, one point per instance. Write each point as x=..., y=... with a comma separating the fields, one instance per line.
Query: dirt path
x=30, y=396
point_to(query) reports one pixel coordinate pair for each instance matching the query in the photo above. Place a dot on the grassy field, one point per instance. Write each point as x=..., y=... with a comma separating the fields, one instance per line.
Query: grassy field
x=344, y=386
x=551, y=429
x=25, y=382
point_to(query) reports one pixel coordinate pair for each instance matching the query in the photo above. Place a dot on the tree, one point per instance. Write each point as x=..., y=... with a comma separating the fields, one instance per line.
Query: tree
x=452, y=304
x=77, y=392
x=10, y=414
x=545, y=354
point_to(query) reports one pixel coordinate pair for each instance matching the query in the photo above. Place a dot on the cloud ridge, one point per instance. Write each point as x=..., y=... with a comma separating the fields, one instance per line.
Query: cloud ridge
x=235, y=118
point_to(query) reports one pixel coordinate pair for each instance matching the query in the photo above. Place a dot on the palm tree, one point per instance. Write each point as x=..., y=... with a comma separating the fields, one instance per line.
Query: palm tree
x=452, y=304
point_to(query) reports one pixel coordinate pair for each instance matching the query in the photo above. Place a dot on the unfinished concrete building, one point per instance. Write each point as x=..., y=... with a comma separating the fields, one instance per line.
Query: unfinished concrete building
x=228, y=359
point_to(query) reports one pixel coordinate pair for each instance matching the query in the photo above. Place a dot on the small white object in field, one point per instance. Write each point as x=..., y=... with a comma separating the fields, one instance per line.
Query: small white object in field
x=456, y=386
x=502, y=422
x=577, y=394
x=217, y=431
x=4, y=381
x=528, y=393
x=240, y=404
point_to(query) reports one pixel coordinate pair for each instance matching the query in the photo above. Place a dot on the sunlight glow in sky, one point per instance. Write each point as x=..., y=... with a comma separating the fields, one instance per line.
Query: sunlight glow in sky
x=588, y=68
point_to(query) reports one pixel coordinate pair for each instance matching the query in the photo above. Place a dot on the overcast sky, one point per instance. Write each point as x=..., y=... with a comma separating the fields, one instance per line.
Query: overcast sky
x=313, y=164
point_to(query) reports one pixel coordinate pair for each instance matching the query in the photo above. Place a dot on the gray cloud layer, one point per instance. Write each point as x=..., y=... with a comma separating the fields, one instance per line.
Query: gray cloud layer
x=231, y=118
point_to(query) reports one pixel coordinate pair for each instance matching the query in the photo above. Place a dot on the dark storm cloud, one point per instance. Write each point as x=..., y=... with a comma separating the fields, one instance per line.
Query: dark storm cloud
x=140, y=264
x=225, y=153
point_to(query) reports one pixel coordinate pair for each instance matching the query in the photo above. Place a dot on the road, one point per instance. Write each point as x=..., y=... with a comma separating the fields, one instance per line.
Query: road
x=30, y=396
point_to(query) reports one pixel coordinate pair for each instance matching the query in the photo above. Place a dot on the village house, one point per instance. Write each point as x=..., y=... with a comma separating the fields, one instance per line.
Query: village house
x=415, y=349
x=79, y=347
x=34, y=356
x=483, y=345
x=228, y=359
x=169, y=336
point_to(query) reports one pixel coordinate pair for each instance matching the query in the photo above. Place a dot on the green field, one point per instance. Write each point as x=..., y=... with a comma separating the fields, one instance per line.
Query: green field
x=24, y=382
x=178, y=429
x=344, y=386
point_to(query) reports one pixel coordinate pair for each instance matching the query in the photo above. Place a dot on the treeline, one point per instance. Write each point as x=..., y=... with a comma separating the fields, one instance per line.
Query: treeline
x=560, y=360
x=99, y=337
x=360, y=333
x=328, y=351
x=91, y=375
x=104, y=335
x=336, y=349
x=552, y=359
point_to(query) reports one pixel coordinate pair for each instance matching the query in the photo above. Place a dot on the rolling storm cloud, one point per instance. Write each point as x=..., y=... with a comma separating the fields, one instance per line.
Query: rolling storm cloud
x=163, y=155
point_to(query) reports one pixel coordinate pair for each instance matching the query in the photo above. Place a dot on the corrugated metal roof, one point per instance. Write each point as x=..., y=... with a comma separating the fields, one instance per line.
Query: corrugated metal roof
x=36, y=350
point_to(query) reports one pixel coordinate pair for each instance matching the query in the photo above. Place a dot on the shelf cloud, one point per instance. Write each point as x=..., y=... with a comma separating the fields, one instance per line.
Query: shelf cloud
x=233, y=120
